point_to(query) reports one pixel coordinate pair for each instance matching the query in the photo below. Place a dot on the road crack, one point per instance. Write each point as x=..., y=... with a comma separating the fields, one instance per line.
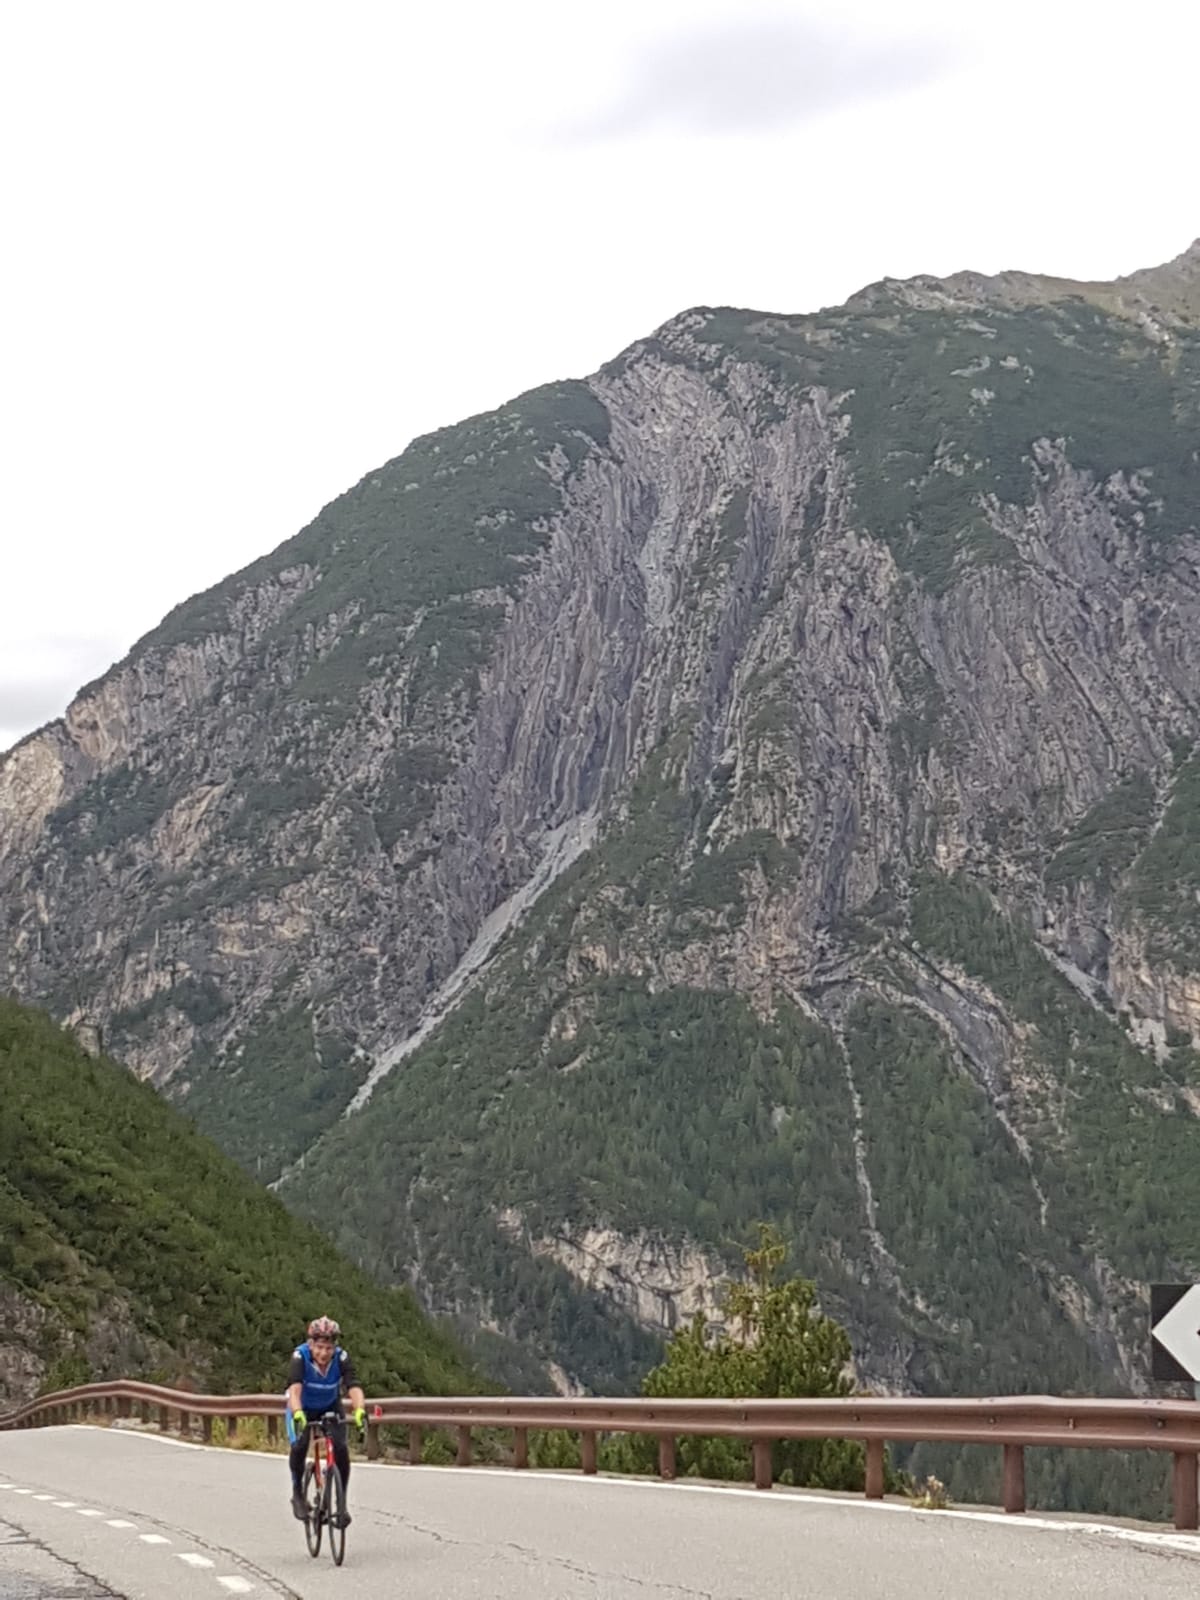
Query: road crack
x=49, y=1584
x=529, y=1556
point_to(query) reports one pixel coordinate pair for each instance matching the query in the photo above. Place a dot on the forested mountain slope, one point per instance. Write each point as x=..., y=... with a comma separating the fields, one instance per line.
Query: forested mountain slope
x=131, y=1247
x=760, y=781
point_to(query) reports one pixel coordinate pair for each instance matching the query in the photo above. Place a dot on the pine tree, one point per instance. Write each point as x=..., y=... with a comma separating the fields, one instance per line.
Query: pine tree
x=775, y=1345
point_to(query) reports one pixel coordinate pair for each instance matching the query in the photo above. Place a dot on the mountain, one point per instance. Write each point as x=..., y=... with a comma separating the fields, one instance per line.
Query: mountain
x=760, y=781
x=131, y=1247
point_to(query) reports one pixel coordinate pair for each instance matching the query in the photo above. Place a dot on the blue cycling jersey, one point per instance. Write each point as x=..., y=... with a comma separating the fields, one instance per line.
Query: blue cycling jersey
x=321, y=1390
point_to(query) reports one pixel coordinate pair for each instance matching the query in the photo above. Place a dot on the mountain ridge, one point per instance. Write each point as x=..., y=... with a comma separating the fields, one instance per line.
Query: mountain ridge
x=868, y=639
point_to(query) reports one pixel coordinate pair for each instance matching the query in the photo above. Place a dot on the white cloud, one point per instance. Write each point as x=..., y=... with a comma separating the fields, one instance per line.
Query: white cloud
x=760, y=74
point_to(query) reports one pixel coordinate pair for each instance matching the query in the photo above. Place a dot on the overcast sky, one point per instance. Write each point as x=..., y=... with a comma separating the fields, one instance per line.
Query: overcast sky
x=253, y=248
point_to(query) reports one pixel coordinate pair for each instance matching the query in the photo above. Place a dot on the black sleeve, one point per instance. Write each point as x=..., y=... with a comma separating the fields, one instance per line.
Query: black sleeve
x=349, y=1377
x=296, y=1371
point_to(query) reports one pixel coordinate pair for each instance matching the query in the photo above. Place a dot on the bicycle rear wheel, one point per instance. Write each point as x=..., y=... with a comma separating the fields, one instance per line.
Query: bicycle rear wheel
x=312, y=1513
x=335, y=1499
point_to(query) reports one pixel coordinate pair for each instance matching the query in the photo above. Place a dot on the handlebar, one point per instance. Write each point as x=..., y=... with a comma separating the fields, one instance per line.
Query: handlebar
x=324, y=1425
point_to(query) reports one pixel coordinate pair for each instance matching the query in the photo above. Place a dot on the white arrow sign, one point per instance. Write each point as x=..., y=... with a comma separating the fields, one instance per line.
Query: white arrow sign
x=1179, y=1331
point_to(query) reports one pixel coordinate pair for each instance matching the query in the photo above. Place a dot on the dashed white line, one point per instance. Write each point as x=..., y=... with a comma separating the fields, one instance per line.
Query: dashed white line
x=87, y=1511
x=119, y=1522
x=65, y=1505
x=192, y=1559
x=7, y=1486
x=153, y=1538
x=236, y=1585
x=43, y=1497
x=22, y=1491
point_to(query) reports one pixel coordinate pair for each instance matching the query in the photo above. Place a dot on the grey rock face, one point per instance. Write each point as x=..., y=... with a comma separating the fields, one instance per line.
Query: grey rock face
x=306, y=795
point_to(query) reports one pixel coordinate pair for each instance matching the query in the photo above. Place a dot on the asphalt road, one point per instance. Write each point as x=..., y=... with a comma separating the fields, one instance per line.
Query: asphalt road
x=93, y=1514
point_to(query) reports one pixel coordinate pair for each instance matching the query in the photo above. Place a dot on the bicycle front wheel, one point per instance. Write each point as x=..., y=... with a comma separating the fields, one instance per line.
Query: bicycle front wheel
x=335, y=1499
x=312, y=1512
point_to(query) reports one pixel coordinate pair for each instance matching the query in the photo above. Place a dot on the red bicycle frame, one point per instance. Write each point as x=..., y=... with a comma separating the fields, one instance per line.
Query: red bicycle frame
x=319, y=1437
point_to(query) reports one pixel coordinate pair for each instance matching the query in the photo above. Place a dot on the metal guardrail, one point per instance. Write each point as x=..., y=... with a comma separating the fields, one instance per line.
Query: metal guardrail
x=1014, y=1423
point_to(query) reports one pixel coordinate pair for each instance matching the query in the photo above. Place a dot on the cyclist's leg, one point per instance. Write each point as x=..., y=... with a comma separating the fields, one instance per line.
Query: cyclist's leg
x=296, y=1459
x=341, y=1456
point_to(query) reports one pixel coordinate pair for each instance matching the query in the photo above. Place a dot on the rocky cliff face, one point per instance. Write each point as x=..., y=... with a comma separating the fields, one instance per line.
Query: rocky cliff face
x=835, y=678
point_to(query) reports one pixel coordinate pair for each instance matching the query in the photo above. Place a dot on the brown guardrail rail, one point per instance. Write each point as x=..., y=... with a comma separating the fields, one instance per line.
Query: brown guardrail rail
x=1014, y=1423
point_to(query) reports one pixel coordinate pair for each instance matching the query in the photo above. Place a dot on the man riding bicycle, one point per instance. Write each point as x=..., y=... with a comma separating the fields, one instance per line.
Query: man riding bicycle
x=319, y=1369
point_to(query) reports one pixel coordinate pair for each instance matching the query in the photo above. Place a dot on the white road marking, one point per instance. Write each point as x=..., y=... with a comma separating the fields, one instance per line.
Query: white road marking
x=43, y=1497
x=153, y=1538
x=236, y=1585
x=7, y=1486
x=87, y=1511
x=22, y=1491
x=65, y=1505
x=119, y=1522
x=192, y=1559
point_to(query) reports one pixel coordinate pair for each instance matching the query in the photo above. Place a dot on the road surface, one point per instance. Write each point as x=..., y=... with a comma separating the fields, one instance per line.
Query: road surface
x=104, y=1514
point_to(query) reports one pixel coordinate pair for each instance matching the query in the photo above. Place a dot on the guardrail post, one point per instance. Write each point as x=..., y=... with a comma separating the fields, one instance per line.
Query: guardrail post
x=124, y=1406
x=206, y=1428
x=164, y=1420
x=587, y=1450
x=1184, y=1484
x=145, y=1410
x=463, y=1458
x=230, y=1429
x=414, y=1445
x=1014, y=1477
x=273, y=1428
x=763, y=1470
x=185, y=1424
x=874, y=1469
x=372, y=1441
x=666, y=1455
x=520, y=1447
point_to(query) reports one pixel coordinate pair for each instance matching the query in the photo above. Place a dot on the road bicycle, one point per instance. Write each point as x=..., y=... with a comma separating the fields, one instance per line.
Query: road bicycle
x=324, y=1491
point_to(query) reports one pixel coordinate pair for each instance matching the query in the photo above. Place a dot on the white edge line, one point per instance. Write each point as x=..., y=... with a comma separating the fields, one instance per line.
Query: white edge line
x=134, y=1433
x=1189, y=1543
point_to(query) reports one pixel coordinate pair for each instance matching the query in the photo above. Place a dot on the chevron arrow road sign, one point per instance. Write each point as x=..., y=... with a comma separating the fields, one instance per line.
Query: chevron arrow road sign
x=1175, y=1332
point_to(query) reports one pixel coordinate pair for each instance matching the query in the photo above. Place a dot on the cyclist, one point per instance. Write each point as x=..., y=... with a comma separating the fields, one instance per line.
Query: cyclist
x=320, y=1368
